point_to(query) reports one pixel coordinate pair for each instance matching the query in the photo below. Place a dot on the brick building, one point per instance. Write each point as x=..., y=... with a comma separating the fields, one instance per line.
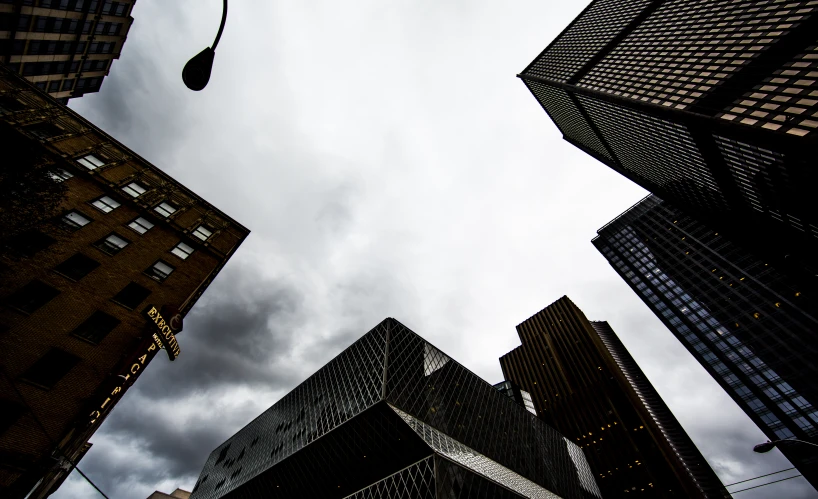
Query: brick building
x=125, y=240
x=65, y=47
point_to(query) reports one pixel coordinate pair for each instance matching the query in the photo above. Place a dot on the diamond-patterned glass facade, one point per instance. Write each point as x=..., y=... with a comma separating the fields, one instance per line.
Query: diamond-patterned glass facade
x=712, y=106
x=749, y=325
x=378, y=416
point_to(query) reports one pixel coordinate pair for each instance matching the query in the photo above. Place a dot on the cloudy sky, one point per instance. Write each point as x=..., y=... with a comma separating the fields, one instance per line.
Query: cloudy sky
x=389, y=163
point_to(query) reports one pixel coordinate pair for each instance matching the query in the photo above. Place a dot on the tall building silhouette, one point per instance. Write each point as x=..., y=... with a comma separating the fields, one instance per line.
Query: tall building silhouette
x=751, y=327
x=95, y=244
x=585, y=384
x=64, y=47
x=710, y=105
x=394, y=417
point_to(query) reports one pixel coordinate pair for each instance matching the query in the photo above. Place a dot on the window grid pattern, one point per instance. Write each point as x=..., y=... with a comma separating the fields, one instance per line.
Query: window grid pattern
x=105, y=204
x=577, y=45
x=744, y=322
x=475, y=461
x=566, y=116
x=684, y=49
x=658, y=151
x=763, y=180
x=141, y=225
x=350, y=389
x=787, y=101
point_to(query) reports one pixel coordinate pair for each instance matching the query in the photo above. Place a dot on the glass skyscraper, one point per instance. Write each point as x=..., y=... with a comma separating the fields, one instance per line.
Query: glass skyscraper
x=752, y=327
x=394, y=417
x=712, y=106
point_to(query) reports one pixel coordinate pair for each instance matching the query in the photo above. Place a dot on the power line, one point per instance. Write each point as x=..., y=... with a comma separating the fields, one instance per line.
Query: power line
x=761, y=476
x=765, y=484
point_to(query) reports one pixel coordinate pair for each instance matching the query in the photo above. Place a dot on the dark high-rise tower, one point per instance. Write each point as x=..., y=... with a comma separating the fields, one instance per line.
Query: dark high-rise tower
x=710, y=105
x=584, y=382
x=753, y=328
x=64, y=47
x=394, y=417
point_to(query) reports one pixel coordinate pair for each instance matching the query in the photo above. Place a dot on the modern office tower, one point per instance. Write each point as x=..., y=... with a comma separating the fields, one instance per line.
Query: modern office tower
x=394, y=417
x=713, y=106
x=64, y=47
x=521, y=397
x=585, y=384
x=752, y=328
x=101, y=255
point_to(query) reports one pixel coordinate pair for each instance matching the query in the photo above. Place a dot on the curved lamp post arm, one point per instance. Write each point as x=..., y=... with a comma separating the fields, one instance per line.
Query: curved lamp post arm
x=221, y=27
x=196, y=72
x=768, y=446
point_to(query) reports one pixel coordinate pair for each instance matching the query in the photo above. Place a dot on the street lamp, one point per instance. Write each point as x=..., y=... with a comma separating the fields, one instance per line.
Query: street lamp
x=768, y=446
x=196, y=73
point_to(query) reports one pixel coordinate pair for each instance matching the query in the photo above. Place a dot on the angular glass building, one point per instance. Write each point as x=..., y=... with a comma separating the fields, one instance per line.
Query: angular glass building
x=394, y=417
x=751, y=327
x=711, y=105
x=584, y=382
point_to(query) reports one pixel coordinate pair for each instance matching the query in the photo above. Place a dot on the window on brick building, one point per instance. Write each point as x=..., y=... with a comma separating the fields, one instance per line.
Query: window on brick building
x=91, y=162
x=96, y=327
x=105, y=204
x=112, y=244
x=203, y=232
x=44, y=130
x=50, y=368
x=135, y=189
x=160, y=270
x=165, y=209
x=182, y=250
x=74, y=220
x=141, y=225
x=131, y=295
x=30, y=242
x=10, y=412
x=32, y=296
x=59, y=175
x=77, y=267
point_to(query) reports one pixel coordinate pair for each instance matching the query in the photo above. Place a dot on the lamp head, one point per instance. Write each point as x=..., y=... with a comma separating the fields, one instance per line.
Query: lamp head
x=196, y=73
x=765, y=447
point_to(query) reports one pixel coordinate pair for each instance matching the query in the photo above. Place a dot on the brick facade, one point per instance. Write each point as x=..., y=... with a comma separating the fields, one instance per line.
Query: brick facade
x=60, y=414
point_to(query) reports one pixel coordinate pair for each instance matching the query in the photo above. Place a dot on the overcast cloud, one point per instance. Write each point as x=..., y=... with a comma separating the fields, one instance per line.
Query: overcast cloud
x=388, y=163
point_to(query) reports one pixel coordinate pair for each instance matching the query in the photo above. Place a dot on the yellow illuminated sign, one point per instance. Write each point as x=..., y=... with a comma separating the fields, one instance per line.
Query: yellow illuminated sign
x=165, y=336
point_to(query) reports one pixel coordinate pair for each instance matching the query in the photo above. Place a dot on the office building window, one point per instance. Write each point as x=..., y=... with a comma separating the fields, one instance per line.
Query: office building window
x=91, y=162
x=182, y=250
x=160, y=270
x=44, y=131
x=30, y=242
x=131, y=295
x=10, y=412
x=203, y=232
x=54, y=86
x=50, y=368
x=135, y=189
x=165, y=209
x=96, y=327
x=32, y=296
x=105, y=204
x=141, y=225
x=67, y=84
x=75, y=220
x=77, y=267
x=112, y=244
x=59, y=175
